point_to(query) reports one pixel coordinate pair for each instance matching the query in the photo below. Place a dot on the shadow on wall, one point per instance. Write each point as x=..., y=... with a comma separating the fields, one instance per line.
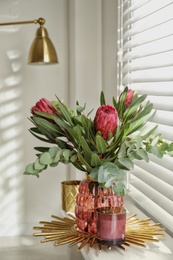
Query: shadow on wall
x=11, y=133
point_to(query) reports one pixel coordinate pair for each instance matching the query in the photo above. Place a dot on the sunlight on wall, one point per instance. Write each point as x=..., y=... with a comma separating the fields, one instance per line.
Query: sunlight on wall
x=11, y=135
x=11, y=154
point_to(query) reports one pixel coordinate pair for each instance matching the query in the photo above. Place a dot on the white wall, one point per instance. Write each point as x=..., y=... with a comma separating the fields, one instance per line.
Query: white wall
x=84, y=35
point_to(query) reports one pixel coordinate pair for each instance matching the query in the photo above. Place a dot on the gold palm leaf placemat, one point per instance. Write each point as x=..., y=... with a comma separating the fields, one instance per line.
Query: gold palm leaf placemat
x=64, y=231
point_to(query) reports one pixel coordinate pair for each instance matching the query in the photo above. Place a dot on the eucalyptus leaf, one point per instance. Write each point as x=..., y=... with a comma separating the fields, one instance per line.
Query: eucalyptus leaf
x=66, y=154
x=155, y=140
x=57, y=157
x=38, y=166
x=143, y=154
x=122, y=151
x=30, y=170
x=120, y=189
x=94, y=173
x=45, y=158
x=53, y=151
x=156, y=151
x=127, y=163
x=146, y=132
x=73, y=158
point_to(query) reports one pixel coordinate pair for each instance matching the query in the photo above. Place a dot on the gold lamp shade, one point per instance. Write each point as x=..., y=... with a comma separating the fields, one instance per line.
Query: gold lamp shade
x=42, y=50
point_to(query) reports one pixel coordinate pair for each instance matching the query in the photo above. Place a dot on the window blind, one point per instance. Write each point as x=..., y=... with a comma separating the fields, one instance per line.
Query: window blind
x=145, y=64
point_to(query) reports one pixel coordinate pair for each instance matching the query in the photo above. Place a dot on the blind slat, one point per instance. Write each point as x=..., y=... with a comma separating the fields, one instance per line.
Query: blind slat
x=156, y=167
x=157, y=75
x=150, y=62
x=165, y=188
x=146, y=66
x=152, y=208
x=147, y=10
x=152, y=48
x=134, y=7
x=154, y=88
x=155, y=196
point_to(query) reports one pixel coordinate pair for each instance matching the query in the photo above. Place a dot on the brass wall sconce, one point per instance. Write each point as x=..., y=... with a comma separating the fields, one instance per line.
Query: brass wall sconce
x=42, y=50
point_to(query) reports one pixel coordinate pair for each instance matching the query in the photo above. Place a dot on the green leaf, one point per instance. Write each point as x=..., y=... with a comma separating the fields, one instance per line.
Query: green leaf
x=67, y=115
x=30, y=170
x=48, y=129
x=38, y=166
x=134, y=156
x=94, y=173
x=100, y=144
x=122, y=151
x=102, y=99
x=85, y=147
x=121, y=104
x=80, y=109
x=45, y=115
x=57, y=157
x=42, y=149
x=35, y=130
x=73, y=158
x=84, y=162
x=145, y=111
x=143, y=154
x=62, y=144
x=61, y=123
x=134, y=126
x=120, y=189
x=127, y=163
x=156, y=151
x=53, y=151
x=133, y=107
x=155, y=140
x=139, y=142
x=95, y=160
x=131, y=148
x=45, y=158
x=146, y=132
x=39, y=137
x=66, y=154
x=109, y=170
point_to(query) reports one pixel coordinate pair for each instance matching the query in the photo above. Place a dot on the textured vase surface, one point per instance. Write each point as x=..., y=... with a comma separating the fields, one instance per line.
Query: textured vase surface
x=90, y=197
x=69, y=190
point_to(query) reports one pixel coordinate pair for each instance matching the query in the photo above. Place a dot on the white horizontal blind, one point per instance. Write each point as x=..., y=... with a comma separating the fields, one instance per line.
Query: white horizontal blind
x=145, y=64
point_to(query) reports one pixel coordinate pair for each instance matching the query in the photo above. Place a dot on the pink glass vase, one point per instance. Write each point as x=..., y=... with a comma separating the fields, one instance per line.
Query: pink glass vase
x=90, y=197
x=111, y=226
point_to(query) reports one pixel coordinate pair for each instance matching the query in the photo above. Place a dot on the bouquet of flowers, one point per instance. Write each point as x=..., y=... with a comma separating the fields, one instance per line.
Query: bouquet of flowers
x=103, y=147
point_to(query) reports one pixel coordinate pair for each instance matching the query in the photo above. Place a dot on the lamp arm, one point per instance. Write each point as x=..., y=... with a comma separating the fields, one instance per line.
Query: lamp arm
x=41, y=21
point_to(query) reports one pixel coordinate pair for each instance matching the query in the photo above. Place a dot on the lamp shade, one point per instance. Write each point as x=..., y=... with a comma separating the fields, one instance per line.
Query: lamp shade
x=42, y=50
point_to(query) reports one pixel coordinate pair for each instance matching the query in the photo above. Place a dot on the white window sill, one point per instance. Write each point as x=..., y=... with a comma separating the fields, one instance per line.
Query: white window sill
x=162, y=250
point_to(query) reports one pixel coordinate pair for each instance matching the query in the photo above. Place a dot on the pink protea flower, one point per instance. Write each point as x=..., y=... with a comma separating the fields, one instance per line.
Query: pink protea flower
x=105, y=121
x=129, y=97
x=43, y=105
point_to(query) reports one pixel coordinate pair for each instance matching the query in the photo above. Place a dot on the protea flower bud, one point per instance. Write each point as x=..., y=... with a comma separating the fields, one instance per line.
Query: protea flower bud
x=105, y=121
x=129, y=97
x=43, y=105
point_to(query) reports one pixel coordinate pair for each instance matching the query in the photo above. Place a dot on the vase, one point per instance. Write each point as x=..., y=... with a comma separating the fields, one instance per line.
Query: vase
x=110, y=226
x=90, y=197
x=69, y=190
